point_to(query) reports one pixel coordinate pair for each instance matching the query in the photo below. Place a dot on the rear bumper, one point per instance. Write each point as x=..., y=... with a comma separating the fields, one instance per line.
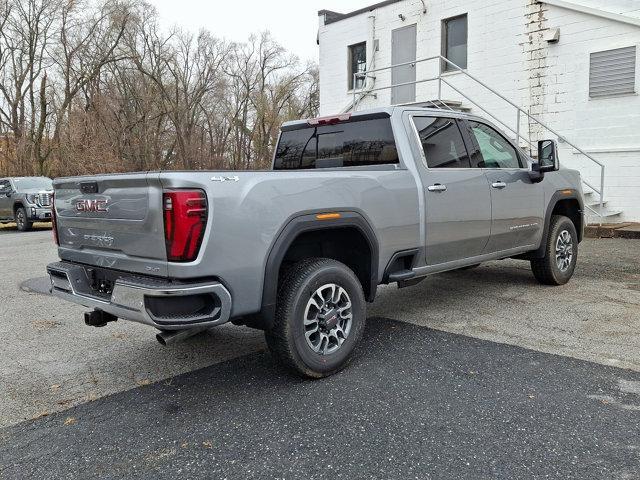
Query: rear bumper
x=39, y=213
x=160, y=303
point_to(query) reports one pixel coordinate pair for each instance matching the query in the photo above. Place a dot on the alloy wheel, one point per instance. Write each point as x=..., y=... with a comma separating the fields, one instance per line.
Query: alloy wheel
x=564, y=250
x=328, y=318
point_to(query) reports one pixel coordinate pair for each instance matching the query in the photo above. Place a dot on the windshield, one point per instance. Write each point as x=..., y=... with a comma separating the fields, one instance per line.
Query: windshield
x=33, y=183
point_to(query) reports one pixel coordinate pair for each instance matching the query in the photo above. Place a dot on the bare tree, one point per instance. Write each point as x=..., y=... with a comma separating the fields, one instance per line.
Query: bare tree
x=88, y=87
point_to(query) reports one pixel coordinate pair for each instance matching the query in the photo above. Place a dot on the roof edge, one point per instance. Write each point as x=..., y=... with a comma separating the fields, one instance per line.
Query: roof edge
x=332, y=17
x=596, y=12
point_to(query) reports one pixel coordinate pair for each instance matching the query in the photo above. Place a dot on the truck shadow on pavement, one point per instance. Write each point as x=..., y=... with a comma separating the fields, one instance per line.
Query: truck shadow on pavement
x=414, y=403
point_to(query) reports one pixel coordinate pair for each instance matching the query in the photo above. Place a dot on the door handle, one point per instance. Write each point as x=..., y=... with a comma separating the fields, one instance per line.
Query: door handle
x=437, y=188
x=499, y=185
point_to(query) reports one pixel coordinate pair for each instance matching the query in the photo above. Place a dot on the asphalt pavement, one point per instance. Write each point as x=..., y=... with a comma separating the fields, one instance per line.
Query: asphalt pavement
x=416, y=403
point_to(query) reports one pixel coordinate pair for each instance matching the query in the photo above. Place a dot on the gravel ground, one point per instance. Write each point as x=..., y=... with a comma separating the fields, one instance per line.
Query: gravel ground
x=51, y=361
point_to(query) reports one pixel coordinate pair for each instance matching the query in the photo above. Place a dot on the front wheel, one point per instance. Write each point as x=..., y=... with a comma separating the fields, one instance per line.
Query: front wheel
x=561, y=253
x=22, y=221
x=320, y=317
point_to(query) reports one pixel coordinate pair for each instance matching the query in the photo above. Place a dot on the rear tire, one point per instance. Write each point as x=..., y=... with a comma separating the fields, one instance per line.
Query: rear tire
x=560, y=253
x=320, y=317
x=22, y=221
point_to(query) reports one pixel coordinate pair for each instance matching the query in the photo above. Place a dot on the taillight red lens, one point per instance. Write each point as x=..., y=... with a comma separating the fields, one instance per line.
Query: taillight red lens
x=54, y=223
x=185, y=219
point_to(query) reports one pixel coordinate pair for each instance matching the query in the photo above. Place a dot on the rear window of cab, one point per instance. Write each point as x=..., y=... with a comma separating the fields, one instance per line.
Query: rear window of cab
x=353, y=143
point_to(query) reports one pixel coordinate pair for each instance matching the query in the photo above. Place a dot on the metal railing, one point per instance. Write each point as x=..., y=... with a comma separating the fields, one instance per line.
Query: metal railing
x=360, y=94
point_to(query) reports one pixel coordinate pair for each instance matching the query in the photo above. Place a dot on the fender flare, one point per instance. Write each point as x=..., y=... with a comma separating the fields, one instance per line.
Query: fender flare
x=555, y=198
x=303, y=223
x=17, y=204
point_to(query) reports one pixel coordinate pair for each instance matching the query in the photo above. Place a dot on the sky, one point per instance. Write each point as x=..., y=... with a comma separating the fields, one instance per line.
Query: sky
x=294, y=23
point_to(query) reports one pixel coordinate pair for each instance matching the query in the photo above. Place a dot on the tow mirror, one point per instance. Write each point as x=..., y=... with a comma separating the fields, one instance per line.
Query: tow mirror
x=548, y=156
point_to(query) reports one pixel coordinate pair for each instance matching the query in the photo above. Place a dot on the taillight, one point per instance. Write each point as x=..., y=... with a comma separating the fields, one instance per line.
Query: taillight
x=185, y=219
x=54, y=223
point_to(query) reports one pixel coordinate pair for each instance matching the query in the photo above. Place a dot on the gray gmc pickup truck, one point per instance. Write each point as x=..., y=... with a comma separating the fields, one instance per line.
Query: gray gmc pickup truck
x=25, y=200
x=354, y=201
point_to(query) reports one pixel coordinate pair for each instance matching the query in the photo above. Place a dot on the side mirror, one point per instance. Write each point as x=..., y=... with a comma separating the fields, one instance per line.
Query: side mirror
x=547, y=156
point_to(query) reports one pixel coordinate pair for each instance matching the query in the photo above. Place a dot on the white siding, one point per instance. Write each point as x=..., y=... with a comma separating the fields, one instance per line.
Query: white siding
x=506, y=51
x=607, y=128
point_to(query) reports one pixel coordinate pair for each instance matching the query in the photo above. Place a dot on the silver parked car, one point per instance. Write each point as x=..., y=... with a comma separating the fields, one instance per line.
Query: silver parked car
x=25, y=200
x=353, y=201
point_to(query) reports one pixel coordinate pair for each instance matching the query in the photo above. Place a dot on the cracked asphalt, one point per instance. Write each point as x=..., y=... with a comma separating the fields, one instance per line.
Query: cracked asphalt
x=471, y=374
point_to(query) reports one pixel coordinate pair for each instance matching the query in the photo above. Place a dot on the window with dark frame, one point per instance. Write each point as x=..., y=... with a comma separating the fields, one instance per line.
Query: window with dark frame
x=454, y=42
x=357, y=64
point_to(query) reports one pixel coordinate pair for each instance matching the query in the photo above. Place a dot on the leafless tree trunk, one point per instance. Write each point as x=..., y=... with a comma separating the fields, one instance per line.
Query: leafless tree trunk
x=88, y=87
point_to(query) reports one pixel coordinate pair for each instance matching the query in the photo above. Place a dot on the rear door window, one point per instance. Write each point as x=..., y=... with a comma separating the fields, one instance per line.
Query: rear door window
x=442, y=142
x=355, y=143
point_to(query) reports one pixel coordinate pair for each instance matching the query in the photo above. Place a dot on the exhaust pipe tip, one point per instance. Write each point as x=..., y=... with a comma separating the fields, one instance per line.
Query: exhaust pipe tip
x=171, y=337
x=161, y=340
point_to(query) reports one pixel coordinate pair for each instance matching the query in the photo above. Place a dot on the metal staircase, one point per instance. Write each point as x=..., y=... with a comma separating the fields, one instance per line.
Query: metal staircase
x=595, y=203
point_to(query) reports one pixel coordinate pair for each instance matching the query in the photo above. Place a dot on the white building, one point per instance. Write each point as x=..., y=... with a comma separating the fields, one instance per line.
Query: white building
x=572, y=64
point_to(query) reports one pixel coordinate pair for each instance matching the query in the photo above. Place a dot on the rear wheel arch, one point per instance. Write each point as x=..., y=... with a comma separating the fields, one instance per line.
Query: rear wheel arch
x=349, y=239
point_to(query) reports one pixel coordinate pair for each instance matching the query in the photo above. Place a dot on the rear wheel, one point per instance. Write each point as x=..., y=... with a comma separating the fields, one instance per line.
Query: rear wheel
x=320, y=317
x=22, y=221
x=561, y=253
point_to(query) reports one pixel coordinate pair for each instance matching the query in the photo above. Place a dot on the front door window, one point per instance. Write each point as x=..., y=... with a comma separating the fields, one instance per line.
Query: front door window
x=496, y=151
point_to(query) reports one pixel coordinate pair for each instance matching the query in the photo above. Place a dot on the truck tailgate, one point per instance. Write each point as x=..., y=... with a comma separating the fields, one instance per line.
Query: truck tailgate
x=112, y=221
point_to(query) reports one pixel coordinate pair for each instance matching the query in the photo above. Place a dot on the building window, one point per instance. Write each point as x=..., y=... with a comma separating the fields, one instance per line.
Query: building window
x=357, y=64
x=612, y=72
x=454, y=42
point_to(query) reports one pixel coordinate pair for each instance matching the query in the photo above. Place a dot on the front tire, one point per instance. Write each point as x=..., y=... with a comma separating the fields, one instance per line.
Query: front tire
x=22, y=221
x=320, y=317
x=561, y=253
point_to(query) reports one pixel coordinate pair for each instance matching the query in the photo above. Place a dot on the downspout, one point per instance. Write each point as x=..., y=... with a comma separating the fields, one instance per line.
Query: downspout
x=371, y=51
x=371, y=65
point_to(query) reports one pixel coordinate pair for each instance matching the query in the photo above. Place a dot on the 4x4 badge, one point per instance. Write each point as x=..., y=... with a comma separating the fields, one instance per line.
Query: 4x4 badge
x=235, y=178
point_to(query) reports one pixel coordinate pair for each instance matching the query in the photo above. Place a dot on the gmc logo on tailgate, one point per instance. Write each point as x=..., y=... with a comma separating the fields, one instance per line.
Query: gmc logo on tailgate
x=91, y=206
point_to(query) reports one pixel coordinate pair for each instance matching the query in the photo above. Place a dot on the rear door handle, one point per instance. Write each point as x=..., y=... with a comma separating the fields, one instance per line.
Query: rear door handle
x=499, y=185
x=437, y=188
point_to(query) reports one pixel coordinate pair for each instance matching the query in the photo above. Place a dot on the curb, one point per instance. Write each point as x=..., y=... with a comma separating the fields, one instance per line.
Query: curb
x=614, y=230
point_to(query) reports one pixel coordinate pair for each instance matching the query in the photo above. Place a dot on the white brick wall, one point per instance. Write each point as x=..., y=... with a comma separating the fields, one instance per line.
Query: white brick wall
x=505, y=50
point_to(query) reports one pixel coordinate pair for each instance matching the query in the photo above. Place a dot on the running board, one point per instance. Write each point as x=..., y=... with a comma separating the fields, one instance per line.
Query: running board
x=401, y=276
